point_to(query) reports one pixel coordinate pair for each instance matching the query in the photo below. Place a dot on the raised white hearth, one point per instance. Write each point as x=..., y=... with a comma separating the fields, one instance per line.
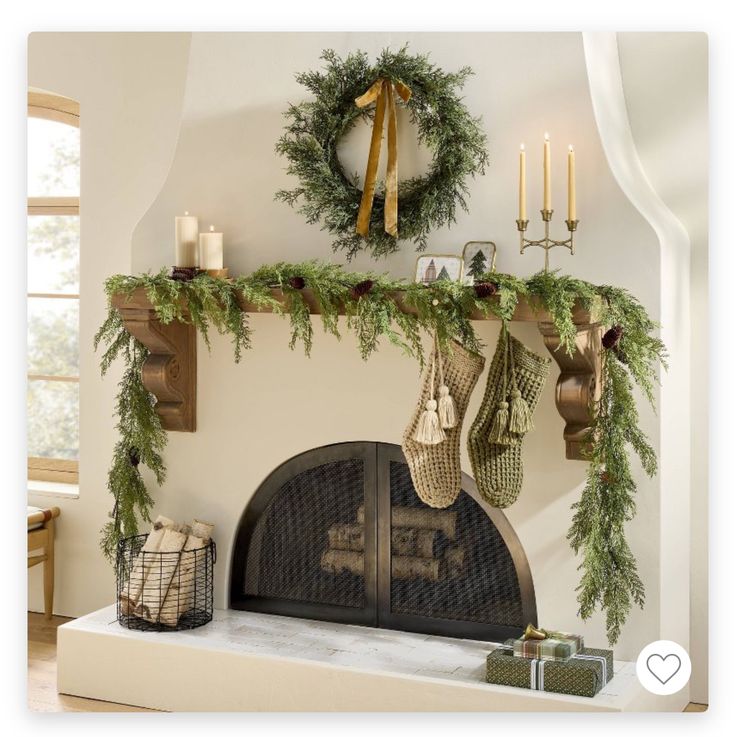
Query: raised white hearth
x=246, y=661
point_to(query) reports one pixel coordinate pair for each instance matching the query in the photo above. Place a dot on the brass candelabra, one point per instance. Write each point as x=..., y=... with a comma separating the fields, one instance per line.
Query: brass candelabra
x=547, y=243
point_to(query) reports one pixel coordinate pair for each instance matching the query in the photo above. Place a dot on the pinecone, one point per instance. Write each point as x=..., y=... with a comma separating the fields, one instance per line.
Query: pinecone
x=361, y=288
x=134, y=457
x=297, y=282
x=612, y=336
x=183, y=273
x=485, y=289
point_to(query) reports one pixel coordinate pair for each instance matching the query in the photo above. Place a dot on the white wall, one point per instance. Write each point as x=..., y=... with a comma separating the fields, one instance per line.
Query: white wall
x=666, y=82
x=275, y=404
x=130, y=88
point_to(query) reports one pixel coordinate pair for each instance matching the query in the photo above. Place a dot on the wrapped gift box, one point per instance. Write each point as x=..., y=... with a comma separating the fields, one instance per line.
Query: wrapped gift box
x=584, y=674
x=560, y=646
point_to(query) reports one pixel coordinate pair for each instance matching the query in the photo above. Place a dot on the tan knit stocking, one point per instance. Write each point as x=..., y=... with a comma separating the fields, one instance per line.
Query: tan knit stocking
x=435, y=469
x=494, y=450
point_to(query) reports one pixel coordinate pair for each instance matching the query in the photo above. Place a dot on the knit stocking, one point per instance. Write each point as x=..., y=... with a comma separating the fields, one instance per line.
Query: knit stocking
x=515, y=381
x=434, y=461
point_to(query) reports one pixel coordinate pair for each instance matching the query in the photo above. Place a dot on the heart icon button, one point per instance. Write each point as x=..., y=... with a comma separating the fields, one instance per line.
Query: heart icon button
x=663, y=668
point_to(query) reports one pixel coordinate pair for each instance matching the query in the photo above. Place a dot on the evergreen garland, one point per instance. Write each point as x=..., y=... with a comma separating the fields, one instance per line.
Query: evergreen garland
x=328, y=195
x=369, y=302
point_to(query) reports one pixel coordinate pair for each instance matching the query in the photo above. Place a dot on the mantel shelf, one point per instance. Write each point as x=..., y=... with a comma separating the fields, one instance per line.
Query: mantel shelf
x=170, y=372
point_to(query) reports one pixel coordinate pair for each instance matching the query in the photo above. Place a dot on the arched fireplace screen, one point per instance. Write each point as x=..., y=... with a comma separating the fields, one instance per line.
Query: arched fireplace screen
x=338, y=534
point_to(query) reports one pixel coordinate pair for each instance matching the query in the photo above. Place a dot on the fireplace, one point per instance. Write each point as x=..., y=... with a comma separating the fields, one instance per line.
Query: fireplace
x=338, y=534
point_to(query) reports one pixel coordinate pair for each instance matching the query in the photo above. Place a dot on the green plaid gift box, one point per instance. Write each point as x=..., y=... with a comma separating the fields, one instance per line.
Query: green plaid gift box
x=584, y=674
x=560, y=646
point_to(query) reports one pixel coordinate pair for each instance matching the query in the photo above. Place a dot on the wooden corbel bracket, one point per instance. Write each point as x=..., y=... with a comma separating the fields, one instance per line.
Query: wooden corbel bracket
x=170, y=371
x=579, y=383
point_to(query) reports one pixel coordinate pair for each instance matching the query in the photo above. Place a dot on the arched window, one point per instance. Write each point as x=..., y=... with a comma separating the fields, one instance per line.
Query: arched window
x=53, y=287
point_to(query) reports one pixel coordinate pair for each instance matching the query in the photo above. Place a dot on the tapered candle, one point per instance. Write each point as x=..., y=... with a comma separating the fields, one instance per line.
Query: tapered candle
x=547, y=201
x=570, y=183
x=210, y=249
x=522, y=183
x=186, y=228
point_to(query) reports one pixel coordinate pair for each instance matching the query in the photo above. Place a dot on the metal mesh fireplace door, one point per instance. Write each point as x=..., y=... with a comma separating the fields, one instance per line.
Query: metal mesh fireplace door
x=339, y=534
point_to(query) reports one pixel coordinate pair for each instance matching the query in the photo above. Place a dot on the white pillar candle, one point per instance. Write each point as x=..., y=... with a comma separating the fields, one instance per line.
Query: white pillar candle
x=186, y=228
x=210, y=250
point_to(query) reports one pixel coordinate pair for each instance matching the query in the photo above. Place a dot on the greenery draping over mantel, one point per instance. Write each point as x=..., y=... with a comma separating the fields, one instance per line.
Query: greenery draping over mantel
x=609, y=571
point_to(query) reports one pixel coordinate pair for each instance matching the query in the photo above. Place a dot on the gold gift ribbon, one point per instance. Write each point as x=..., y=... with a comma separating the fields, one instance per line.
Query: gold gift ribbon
x=382, y=93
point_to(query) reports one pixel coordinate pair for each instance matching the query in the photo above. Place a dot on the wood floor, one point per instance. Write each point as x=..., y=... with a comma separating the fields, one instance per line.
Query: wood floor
x=42, y=695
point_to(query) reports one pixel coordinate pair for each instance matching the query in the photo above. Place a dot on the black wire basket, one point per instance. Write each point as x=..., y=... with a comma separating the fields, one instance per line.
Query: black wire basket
x=164, y=592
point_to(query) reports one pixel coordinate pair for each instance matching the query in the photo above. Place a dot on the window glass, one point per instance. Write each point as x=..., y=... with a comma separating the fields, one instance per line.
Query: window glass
x=53, y=159
x=53, y=419
x=53, y=254
x=53, y=337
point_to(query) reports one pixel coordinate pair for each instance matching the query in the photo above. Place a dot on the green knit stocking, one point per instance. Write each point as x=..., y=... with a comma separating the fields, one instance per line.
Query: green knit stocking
x=434, y=456
x=515, y=381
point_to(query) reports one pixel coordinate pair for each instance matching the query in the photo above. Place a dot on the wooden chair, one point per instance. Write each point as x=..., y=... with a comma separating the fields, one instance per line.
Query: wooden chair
x=41, y=537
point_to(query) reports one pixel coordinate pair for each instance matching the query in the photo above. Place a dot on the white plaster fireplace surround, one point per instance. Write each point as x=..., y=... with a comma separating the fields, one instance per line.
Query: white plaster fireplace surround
x=277, y=403
x=218, y=162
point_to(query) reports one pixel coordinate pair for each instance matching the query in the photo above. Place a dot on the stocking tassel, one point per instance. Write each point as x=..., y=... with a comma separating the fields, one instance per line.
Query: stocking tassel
x=500, y=423
x=446, y=408
x=429, y=431
x=520, y=420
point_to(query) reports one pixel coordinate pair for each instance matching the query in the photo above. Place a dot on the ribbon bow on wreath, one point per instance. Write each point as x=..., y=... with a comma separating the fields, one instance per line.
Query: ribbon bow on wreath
x=445, y=126
x=382, y=93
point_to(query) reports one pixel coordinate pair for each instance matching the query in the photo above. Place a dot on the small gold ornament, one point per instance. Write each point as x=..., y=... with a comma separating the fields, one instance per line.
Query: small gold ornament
x=532, y=633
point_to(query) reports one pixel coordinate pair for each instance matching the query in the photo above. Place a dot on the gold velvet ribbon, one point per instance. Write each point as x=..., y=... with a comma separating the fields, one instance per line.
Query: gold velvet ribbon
x=382, y=93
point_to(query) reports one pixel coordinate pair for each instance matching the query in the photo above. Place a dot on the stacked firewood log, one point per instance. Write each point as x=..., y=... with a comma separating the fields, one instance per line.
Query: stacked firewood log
x=423, y=545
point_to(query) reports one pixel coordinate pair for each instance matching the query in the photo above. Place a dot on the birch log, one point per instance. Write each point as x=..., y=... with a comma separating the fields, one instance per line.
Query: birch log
x=344, y=536
x=160, y=574
x=423, y=518
x=142, y=564
x=403, y=567
x=180, y=595
x=410, y=566
x=342, y=561
x=412, y=541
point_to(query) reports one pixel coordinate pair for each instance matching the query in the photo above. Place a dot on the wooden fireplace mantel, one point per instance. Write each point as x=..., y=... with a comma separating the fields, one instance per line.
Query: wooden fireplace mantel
x=170, y=372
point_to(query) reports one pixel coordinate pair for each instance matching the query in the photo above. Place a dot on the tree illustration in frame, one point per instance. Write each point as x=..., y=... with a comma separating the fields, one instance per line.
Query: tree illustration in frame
x=478, y=265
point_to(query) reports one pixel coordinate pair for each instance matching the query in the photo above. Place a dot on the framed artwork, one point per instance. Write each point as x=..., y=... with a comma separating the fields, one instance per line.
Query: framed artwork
x=431, y=268
x=478, y=258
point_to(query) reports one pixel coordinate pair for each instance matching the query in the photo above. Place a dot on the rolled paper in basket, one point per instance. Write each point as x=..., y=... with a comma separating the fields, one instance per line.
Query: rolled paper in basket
x=141, y=566
x=164, y=564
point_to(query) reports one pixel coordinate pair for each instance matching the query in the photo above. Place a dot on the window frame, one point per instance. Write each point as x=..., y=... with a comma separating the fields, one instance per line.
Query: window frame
x=49, y=106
